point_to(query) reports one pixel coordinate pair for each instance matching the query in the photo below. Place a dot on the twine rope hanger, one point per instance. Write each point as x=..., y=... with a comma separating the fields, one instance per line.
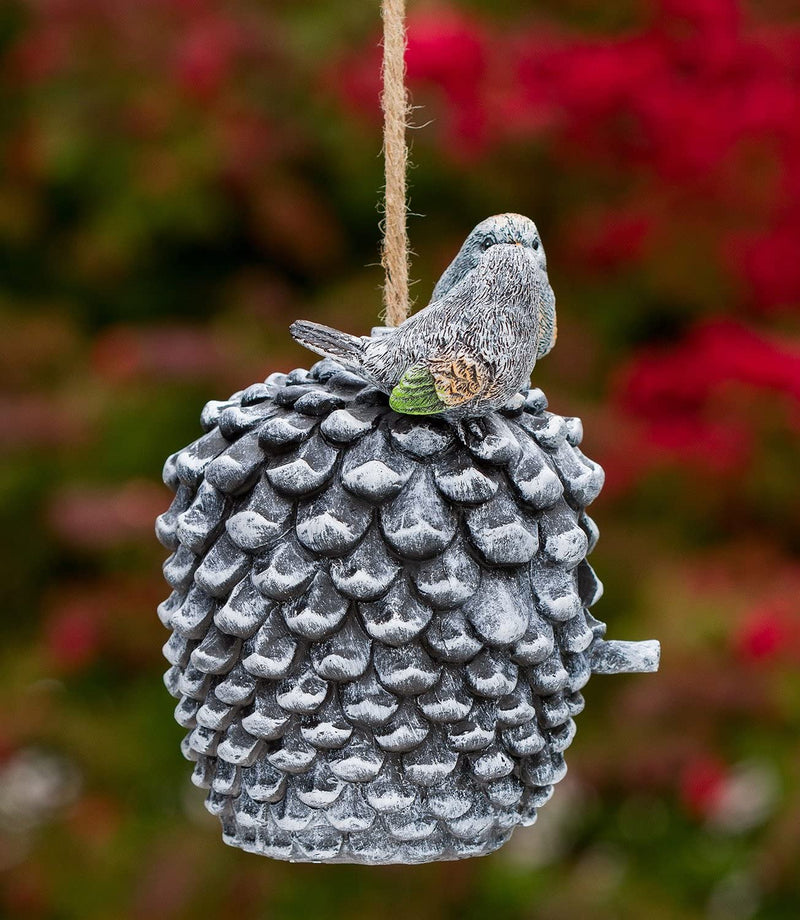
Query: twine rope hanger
x=394, y=102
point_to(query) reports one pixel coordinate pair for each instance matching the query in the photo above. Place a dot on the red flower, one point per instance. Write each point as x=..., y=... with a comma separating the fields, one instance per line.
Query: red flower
x=680, y=399
x=771, y=265
x=663, y=383
x=605, y=241
x=677, y=105
x=205, y=55
x=446, y=50
x=760, y=636
x=72, y=637
x=769, y=633
x=702, y=783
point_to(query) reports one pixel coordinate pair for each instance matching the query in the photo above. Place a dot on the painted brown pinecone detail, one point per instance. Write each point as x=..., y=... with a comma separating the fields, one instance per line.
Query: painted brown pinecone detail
x=380, y=624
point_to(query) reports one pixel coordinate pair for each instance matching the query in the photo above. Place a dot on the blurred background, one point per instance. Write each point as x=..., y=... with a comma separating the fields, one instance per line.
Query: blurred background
x=180, y=180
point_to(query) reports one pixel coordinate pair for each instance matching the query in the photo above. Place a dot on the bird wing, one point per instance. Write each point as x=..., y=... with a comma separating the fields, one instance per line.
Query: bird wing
x=440, y=384
x=548, y=324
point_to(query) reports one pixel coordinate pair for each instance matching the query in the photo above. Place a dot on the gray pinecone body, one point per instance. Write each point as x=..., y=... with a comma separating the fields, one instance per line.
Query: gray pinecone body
x=380, y=625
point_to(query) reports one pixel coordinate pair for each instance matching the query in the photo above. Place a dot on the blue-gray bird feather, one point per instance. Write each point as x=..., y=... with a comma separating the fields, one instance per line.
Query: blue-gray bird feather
x=491, y=316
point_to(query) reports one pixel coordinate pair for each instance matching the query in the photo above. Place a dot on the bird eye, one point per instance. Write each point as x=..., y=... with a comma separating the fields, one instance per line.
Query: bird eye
x=486, y=244
x=536, y=244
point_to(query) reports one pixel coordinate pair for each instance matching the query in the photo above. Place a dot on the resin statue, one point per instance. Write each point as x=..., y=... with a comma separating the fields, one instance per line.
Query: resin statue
x=475, y=345
x=380, y=623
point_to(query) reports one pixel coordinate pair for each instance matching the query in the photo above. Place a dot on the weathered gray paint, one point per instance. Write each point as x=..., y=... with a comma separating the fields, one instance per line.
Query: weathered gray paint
x=493, y=306
x=380, y=624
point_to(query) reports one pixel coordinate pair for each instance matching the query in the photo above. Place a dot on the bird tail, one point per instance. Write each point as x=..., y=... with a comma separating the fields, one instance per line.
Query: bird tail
x=331, y=343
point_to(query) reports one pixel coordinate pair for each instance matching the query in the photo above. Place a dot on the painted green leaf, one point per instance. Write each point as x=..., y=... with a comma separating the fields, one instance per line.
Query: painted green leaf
x=415, y=393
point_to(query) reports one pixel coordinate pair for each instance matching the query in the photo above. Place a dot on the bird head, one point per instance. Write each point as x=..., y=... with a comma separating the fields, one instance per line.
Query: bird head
x=500, y=230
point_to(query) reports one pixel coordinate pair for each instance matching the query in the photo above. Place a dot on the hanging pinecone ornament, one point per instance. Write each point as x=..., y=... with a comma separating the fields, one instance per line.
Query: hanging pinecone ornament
x=380, y=594
x=380, y=623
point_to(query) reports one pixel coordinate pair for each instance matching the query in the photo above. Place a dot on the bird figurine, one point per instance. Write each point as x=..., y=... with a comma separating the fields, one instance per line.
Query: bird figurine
x=473, y=348
x=380, y=624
